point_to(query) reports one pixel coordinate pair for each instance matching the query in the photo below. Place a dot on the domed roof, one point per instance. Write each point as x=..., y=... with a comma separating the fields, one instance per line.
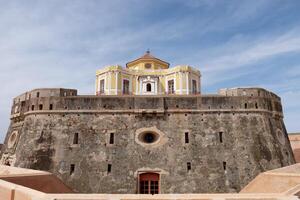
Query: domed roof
x=146, y=58
x=147, y=55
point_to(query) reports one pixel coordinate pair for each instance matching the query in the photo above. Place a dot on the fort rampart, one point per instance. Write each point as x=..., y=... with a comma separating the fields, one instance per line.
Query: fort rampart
x=202, y=143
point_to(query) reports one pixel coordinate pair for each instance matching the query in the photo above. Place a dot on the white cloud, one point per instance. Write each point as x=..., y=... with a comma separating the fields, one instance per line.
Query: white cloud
x=234, y=58
x=259, y=49
x=62, y=43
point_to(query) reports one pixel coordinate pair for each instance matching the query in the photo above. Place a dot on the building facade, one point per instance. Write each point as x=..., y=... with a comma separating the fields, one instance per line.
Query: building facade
x=295, y=144
x=147, y=75
x=129, y=140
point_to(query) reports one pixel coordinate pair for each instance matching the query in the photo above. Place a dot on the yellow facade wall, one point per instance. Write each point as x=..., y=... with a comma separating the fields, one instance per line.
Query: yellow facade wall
x=155, y=64
x=177, y=79
x=163, y=83
x=114, y=82
x=121, y=78
x=183, y=81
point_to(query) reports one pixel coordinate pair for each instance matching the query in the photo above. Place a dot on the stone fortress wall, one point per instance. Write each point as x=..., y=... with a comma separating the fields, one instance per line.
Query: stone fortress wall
x=202, y=143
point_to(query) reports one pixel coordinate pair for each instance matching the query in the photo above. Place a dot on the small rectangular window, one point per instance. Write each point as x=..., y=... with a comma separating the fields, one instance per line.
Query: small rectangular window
x=171, y=87
x=51, y=107
x=32, y=107
x=108, y=168
x=72, y=169
x=125, y=87
x=37, y=94
x=246, y=105
x=41, y=107
x=75, y=138
x=224, y=166
x=189, y=166
x=194, y=86
x=221, y=137
x=111, y=138
x=101, y=87
x=186, y=137
x=256, y=106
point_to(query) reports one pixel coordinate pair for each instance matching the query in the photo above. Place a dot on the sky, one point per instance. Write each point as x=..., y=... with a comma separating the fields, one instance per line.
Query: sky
x=61, y=43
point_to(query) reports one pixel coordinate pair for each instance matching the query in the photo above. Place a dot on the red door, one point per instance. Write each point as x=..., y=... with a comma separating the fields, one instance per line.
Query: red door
x=149, y=183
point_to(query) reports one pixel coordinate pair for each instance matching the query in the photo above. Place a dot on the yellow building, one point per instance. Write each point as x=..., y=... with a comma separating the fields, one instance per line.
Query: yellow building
x=147, y=75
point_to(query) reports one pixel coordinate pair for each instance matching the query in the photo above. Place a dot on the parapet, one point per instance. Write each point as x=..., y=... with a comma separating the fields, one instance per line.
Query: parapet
x=64, y=101
x=248, y=91
x=45, y=92
x=21, y=101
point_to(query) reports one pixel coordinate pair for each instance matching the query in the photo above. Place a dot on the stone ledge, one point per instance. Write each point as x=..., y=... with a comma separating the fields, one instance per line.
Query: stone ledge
x=108, y=111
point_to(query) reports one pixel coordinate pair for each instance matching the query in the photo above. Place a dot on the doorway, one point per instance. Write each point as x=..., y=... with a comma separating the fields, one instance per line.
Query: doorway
x=149, y=183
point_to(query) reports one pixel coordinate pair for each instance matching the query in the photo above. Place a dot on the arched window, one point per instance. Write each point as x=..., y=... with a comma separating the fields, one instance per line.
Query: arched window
x=148, y=87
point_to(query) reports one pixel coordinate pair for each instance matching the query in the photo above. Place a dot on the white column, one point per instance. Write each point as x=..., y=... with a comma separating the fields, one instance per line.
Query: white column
x=187, y=83
x=180, y=82
x=156, y=86
x=96, y=86
x=166, y=85
x=137, y=85
x=175, y=88
x=109, y=82
x=99, y=84
x=159, y=85
x=141, y=86
x=199, y=89
x=130, y=84
x=117, y=76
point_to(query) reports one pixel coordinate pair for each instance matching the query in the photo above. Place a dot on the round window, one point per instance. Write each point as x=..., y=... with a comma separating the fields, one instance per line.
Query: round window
x=148, y=137
x=148, y=65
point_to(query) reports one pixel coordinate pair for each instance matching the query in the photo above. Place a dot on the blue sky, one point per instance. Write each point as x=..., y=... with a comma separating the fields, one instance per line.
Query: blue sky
x=233, y=43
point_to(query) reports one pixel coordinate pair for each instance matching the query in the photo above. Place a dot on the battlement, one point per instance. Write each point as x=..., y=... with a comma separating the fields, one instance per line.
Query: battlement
x=248, y=91
x=67, y=100
x=45, y=92
x=206, y=133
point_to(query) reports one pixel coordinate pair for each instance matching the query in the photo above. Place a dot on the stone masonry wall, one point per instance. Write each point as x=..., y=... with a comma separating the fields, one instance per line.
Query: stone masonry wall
x=231, y=139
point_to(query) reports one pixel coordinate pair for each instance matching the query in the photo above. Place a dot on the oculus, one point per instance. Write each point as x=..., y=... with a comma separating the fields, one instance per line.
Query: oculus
x=148, y=137
x=148, y=65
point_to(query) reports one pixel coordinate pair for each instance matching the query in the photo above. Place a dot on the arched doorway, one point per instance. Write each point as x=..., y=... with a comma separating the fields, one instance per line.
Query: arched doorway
x=149, y=183
x=148, y=87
